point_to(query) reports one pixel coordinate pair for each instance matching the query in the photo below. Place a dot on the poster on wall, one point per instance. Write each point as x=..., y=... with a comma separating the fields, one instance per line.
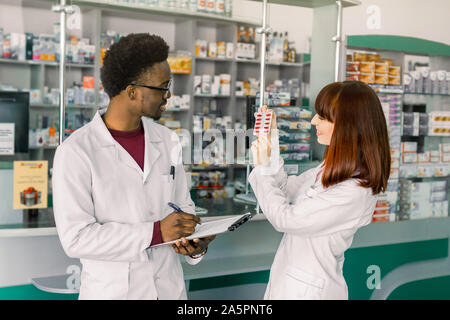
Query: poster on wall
x=30, y=184
x=6, y=139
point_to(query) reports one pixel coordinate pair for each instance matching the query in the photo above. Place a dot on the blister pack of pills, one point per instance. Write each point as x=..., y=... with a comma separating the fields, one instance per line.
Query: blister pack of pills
x=262, y=123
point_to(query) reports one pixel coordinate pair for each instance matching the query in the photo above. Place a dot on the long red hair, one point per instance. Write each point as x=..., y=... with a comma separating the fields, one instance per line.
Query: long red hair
x=359, y=145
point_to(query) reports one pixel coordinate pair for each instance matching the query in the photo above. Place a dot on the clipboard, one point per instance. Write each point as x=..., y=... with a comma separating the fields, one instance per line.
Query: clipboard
x=214, y=227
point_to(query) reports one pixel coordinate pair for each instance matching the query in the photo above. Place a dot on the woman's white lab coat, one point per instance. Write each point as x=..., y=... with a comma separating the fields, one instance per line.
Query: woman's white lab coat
x=318, y=225
x=105, y=207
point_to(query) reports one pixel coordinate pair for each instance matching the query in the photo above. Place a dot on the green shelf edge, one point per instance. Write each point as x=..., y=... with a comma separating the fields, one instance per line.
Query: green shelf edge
x=399, y=43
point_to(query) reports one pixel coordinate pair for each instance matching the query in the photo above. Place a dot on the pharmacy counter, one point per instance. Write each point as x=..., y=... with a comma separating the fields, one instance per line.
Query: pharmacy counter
x=37, y=255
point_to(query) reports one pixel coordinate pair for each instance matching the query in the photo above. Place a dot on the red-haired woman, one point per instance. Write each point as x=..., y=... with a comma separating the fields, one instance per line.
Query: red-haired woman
x=320, y=210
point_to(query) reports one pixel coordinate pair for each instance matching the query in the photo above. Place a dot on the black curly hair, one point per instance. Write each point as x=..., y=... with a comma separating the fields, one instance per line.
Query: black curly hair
x=129, y=58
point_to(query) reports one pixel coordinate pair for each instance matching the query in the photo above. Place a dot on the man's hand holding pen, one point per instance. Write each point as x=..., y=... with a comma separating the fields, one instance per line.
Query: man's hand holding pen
x=179, y=225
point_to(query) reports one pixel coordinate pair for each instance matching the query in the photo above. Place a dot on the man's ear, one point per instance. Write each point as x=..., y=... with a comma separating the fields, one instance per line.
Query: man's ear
x=131, y=92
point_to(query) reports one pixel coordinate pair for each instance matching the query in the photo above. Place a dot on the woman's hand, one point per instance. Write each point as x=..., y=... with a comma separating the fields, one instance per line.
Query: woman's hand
x=273, y=123
x=262, y=147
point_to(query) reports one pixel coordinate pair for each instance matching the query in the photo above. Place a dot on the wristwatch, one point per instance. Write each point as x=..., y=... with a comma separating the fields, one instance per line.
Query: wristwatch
x=201, y=254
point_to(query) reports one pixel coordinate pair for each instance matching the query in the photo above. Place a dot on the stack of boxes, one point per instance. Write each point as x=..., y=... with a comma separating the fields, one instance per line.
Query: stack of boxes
x=45, y=47
x=218, y=85
x=435, y=163
x=420, y=200
x=178, y=102
x=439, y=123
x=414, y=124
x=218, y=49
x=246, y=45
x=424, y=81
x=444, y=149
x=392, y=108
x=370, y=68
x=387, y=202
x=294, y=146
x=247, y=88
x=180, y=62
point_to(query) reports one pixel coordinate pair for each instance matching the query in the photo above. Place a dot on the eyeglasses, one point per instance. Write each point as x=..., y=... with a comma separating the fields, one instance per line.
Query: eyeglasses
x=166, y=89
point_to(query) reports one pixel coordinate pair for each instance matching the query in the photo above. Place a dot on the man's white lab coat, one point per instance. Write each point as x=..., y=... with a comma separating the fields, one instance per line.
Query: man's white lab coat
x=105, y=207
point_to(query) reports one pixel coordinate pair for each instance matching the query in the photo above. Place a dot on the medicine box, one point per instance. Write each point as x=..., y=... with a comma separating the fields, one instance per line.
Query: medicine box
x=420, y=190
x=424, y=171
x=444, y=147
x=408, y=171
x=409, y=147
x=409, y=157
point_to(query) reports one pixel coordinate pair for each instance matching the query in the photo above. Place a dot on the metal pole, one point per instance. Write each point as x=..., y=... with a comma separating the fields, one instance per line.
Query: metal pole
x=62, y=9
x=264, y=31
x=338, y=40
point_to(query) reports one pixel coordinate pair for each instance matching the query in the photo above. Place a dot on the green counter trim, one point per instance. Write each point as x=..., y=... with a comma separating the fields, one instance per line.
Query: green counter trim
x=428, y=289
x=357, y=260
x=399, y=43
x=30, y=292
x=388, y=257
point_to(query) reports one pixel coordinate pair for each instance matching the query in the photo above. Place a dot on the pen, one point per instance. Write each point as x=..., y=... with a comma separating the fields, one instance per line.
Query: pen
x=177, y=208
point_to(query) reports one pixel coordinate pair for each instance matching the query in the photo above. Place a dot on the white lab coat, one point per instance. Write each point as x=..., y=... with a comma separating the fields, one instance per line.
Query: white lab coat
x=318, y=225
x=105, y=207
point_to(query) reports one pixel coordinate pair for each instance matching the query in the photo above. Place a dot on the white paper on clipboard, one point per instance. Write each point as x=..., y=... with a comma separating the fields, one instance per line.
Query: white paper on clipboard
x=214, y=227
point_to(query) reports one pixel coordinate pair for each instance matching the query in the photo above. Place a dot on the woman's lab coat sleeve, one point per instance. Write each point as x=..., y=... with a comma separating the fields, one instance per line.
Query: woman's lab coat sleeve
x=288, y=184
x=337, y=208
x=80, y=234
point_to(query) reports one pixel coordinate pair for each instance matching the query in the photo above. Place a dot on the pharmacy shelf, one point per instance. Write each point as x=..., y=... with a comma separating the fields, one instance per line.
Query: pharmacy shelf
x=45, y=63
x=174, y=12
x=313, y=3
x=224, y=167
x=176, y=110
x=210, y=96
x=213, y=59
x=42, y=147
x=68, y=107
x=274, y=64
x=426, y=94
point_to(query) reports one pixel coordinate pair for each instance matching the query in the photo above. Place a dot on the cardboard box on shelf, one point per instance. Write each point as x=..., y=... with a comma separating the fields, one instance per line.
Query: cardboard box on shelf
x=353, y=76
x=394, y=71
x=367, y=77
x=353, y=66
x=367, y=67
x=394, y=80
x=381, y=78
x=381, y=67
x=409, y=147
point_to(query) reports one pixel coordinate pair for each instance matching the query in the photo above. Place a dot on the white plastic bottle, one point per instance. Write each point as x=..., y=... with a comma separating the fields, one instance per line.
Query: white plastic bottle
x=201, y=5
x=193, y=5
x=211, y=6
x=220, y=7
x=228, y=8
